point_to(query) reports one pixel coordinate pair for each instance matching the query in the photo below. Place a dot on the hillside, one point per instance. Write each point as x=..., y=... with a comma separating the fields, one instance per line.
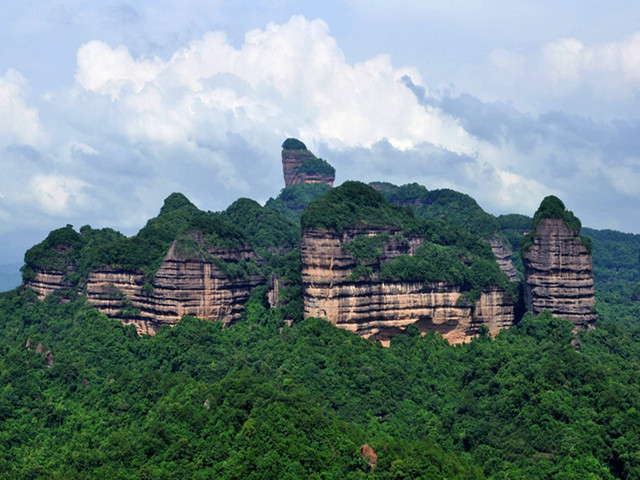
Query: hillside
x=249, y=401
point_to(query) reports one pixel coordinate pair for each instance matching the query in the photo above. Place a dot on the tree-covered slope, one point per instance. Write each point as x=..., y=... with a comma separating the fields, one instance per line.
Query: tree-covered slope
x=248, y=401
x=292, y=200
x=265, y=228
x=445, y=203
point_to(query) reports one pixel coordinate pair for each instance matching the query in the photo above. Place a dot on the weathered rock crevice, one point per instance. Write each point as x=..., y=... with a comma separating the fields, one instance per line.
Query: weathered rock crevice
x=503, y=256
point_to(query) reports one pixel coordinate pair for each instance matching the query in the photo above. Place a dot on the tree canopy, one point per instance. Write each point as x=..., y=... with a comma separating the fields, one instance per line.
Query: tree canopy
x=293, y=144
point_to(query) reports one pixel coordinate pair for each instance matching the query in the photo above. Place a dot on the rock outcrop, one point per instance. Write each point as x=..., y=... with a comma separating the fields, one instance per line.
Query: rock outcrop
x=181, y=286
x=559, y=274
x=46, y=281
x=299, y=165
x=381, y=308
x=503, y=256
x=369, y=454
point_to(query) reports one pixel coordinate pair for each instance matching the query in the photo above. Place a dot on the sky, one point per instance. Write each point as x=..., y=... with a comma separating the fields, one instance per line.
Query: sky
x=107, y=107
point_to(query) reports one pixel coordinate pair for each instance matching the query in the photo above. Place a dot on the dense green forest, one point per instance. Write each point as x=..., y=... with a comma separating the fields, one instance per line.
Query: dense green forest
x=258, y=401
x=294, y=199
x=456, y=207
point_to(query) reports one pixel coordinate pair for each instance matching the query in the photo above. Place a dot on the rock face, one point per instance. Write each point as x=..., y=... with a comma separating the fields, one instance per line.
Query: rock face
x=382, y=309
x=180, y=287
x=503, y=256
x=292, y=164
x=370, y=455
x=49, y=280
x=559, y=274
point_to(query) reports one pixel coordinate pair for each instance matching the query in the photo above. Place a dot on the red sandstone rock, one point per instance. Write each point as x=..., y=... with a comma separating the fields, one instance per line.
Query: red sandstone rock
x=382, y=309
x=559, y=274
x=181, y=287
x=292, y=161
x=369, y=454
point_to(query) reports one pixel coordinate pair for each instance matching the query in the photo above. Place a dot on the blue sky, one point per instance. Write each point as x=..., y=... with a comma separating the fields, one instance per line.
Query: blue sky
x=108, y=107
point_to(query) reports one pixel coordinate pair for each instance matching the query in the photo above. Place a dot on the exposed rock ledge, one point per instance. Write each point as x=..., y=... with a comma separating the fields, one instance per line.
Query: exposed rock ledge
x=503, y=256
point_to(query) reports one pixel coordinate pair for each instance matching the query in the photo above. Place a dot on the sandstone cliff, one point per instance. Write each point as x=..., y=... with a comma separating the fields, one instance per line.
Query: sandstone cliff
x=46, y=281
x=299, y=165
x=559, y=274
x=181, y=286
x=382, y=308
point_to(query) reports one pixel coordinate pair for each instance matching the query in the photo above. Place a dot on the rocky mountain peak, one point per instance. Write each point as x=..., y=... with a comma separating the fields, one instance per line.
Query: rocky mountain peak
x=299, y=165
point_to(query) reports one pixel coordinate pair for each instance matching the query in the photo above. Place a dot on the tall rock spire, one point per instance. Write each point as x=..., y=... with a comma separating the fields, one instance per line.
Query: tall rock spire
x=559, y=266
x=299, y=165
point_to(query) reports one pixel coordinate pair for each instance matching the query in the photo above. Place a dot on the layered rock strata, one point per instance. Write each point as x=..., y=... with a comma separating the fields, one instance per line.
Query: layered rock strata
x=381, y=308
x=49, y=280
x=292, y=162
x=503, y=256
x=196, y=287
x=559, y=274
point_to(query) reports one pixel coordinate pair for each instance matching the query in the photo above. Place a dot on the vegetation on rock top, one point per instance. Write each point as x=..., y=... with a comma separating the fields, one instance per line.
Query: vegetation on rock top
x=293, y=144
x=316, y=166
x=352, y=203
x=265, y=228
x=442, y=203
x=552, y=207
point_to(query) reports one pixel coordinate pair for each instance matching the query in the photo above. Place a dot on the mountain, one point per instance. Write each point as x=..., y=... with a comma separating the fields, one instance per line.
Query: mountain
x=376, y=261
x=269, y=390
x=299, y=165
x=377, y=269
x=559, y=266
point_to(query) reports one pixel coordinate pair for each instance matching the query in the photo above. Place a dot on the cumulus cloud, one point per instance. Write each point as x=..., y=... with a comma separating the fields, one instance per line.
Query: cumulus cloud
x=109, y=71
x=19, y=122
x=292, y=76
x=571, y=74
x=57, y=194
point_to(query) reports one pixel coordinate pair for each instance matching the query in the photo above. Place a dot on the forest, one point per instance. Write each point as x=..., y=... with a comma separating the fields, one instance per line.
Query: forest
x=257, y=400
x=82, y=396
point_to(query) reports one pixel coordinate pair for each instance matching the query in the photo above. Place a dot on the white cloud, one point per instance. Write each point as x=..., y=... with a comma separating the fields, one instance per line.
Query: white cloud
x=289, y=77
x=57, y=194
x=110, y=71
x=568, y=66
x=19, y=123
